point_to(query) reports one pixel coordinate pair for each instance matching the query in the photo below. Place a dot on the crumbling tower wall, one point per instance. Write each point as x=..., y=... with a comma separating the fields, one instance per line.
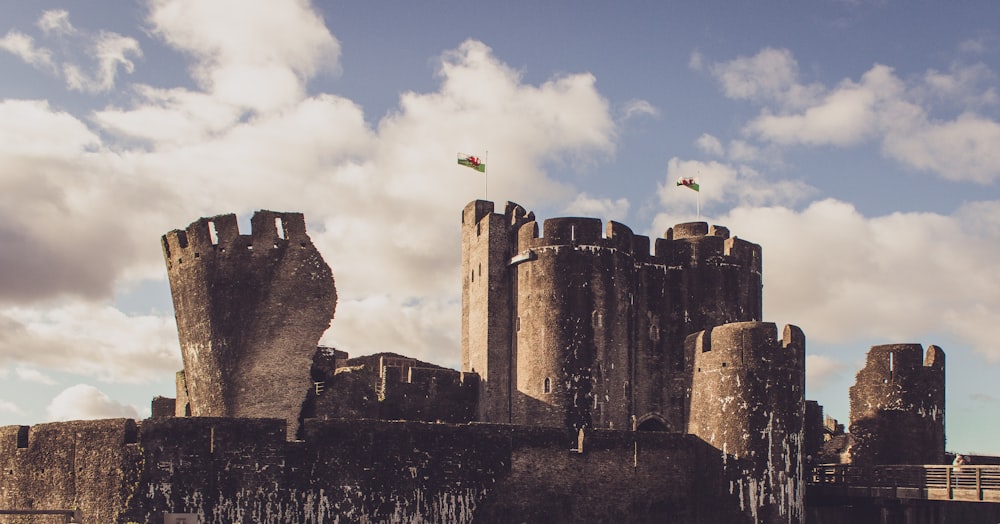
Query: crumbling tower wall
x=897, y=406
x=250, y=311
x=748, y=400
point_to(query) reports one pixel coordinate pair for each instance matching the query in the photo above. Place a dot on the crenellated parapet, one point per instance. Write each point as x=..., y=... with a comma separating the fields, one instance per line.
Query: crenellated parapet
x=897, y=406
x=687, y=244
x=748, y=400
x=250, y=310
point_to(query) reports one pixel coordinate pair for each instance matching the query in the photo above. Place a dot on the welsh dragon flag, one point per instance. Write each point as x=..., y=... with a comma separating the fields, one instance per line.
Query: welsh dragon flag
x=472, y=161
x=689, y=183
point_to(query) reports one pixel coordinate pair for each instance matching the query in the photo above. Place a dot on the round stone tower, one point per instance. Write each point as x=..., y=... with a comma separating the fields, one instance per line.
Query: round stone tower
x=748, y=400
x=580, y=325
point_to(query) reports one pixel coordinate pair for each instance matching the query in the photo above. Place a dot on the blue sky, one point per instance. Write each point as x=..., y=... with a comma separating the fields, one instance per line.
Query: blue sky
x=856, y=141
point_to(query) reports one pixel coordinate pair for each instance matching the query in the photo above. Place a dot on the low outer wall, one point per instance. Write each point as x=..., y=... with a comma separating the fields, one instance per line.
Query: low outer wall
x=229, y=470
x=88, y=465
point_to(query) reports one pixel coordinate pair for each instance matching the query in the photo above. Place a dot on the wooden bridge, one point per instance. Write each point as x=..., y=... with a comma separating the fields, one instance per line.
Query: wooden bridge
x=834, y=483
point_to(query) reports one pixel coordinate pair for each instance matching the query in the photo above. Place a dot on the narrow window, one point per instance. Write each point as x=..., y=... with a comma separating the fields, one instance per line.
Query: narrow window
x=517, y=324
x=478, y=231
x=572, y=233
x=279, y=227
x=547, y=385
x=213, y=234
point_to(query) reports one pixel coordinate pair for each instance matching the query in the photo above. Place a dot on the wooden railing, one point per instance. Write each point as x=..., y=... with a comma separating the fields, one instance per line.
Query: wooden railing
x=69, y=515
x=933, y=482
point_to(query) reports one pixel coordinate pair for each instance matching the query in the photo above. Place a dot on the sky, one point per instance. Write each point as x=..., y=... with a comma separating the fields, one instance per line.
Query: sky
x=857, y=141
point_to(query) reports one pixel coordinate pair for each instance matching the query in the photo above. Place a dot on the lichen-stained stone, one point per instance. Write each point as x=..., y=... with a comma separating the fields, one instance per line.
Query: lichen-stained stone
x=250, y=311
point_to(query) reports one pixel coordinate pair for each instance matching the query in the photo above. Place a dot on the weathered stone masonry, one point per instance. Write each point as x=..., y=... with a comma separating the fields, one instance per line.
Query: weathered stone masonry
x=571, y=342
x=250, y=311
x=897, y=406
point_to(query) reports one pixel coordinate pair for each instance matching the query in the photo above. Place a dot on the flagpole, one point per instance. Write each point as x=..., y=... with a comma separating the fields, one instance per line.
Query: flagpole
x=486, y=175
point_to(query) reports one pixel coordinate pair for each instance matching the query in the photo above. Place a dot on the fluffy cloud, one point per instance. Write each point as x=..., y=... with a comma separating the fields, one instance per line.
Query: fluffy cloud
x=880, y=106
x=88, y=62
x=604, y=208
x=636, y=108
x=90, y=340
x=381, y=200
x=845, y=277
x=84, y=402
x=726, y=183
x=822, y=370
x=23, y=47
x=260, y=59
x=29, y=374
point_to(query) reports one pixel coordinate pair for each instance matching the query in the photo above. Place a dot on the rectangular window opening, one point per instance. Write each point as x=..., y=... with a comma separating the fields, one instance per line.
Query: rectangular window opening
x=280, y=227
x=213, y=234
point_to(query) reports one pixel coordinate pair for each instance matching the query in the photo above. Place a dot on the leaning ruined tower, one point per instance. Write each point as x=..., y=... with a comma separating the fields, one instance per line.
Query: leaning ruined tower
x=246, y=349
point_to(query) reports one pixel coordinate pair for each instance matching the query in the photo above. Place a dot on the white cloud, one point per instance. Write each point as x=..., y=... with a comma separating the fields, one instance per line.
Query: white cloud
x=725, y=183
x=88, y=62
x=843, y=117
x=822, y=370
x=880, y=106
x=604, y=208
x=85, y=402
x=30, y=374
x=710, y=145
x=769, y=76
x=260, y=58
x=635, y=108
x=9, y=407
x=962, y=149
x=380, y=201
x=23, y=47
x=56, y=21
x=902, y=277
x=111, y=51
x=89, y=339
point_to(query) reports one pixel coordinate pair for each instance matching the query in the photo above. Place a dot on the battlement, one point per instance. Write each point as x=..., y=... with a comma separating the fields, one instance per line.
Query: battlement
x=477, y=210
x=747, y=345
x=219, y=234
x=897, y=406
x=897, y=361
x=685, y=244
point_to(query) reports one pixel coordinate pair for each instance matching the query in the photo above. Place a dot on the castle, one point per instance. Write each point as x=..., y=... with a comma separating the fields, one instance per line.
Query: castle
x=600, y=381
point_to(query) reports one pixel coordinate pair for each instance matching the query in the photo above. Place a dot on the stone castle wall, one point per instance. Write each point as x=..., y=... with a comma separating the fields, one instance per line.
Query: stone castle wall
x=897, y=406
x=91, y=465
x=227, y=470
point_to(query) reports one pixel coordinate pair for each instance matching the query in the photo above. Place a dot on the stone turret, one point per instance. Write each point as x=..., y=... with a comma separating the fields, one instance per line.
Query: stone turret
x=250, y=311
x=897, y=406
x=748, y=400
